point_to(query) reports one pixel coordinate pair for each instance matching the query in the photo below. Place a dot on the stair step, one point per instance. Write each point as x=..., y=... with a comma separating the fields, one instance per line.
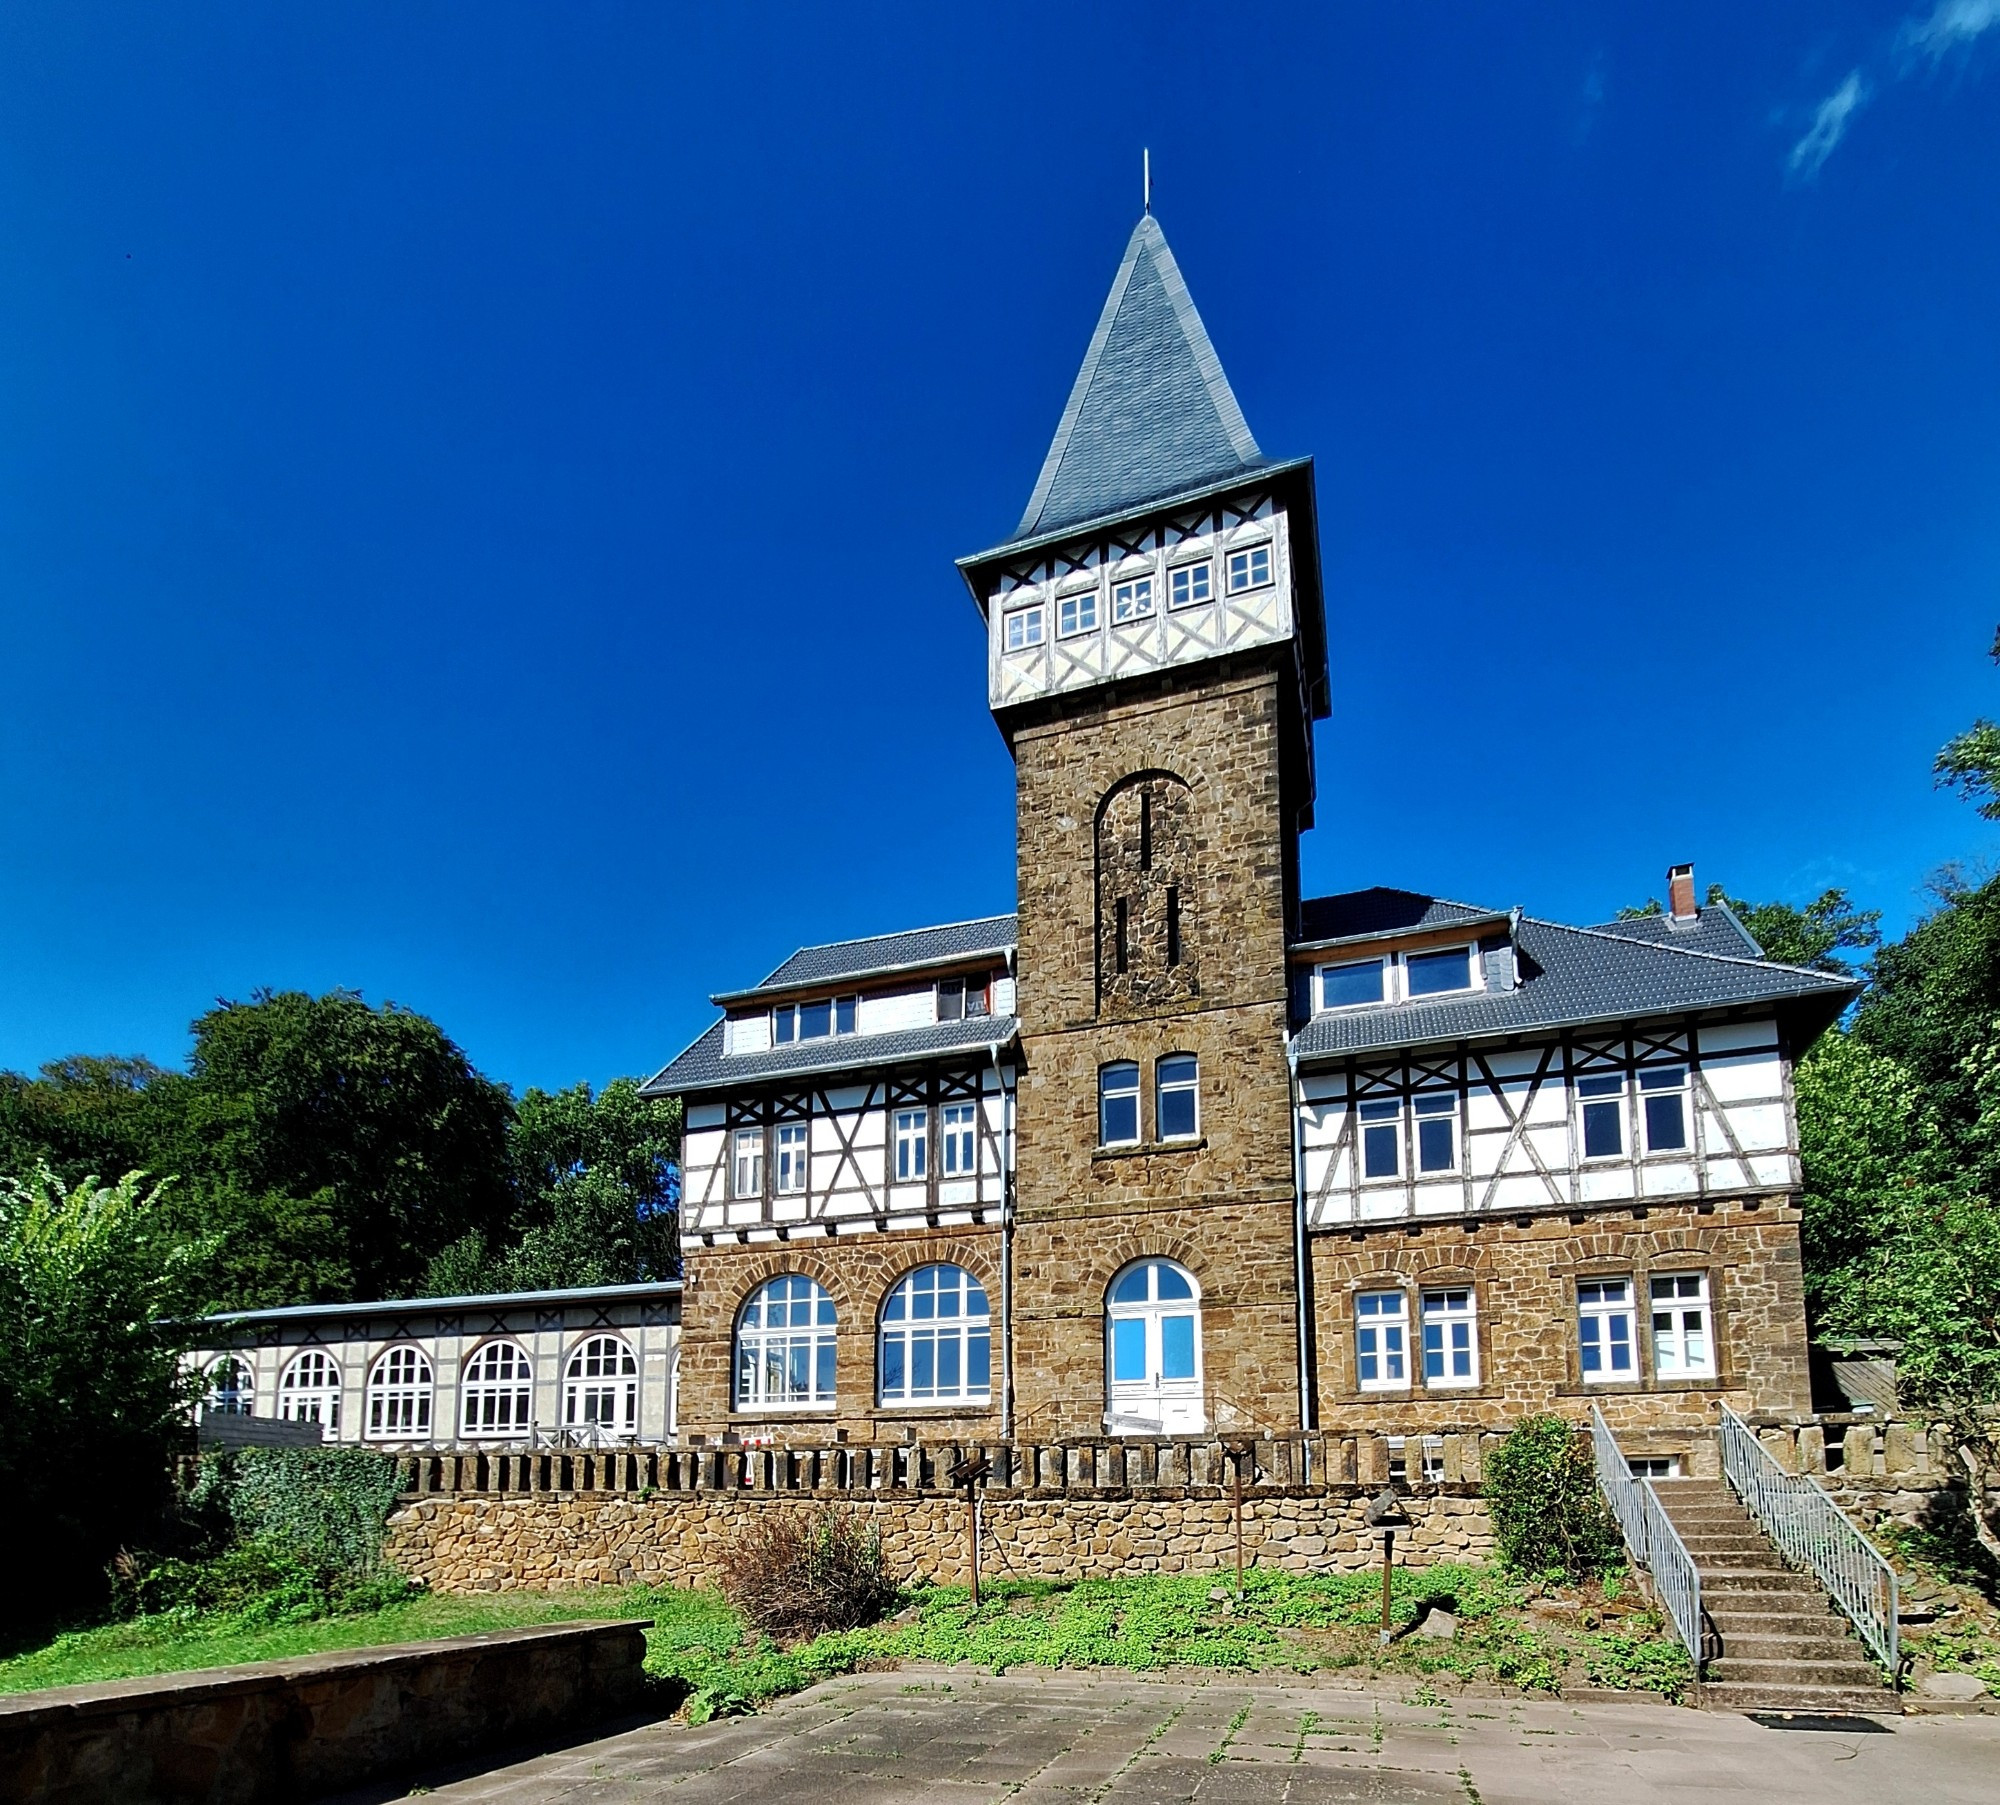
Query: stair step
x=1773, y=1614
x=1847, y=1670
x=1827, y=1645
x=1754, y=1695
x=1781, y=1580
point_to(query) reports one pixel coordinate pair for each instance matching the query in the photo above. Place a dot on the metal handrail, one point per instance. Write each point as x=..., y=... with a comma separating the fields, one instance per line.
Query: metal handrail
x=1650, y=1538
x=1812, y=1531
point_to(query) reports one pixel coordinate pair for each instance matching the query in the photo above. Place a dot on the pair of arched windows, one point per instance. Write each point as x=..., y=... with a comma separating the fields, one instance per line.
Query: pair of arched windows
x=934, y=1343
x=1176, y=1101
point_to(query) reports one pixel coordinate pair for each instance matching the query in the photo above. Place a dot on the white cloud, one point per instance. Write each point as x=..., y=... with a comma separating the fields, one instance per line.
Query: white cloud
x=1829, y=124
x=1954, y=23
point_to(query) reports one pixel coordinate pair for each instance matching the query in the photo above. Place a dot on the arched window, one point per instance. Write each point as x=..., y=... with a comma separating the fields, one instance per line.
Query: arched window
x=601, y=1388
x=937, y=1339
x=310, y=1390
x=497, y=1394
x=784, y=1345
x=231, y=1389
x=399, y=1396
x=1152, y=1351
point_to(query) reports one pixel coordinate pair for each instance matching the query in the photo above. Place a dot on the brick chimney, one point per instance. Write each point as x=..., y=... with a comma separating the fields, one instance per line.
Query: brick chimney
x=1680, y=893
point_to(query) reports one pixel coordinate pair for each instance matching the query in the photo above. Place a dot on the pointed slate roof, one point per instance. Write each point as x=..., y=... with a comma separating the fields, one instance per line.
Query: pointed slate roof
x=1151, y=414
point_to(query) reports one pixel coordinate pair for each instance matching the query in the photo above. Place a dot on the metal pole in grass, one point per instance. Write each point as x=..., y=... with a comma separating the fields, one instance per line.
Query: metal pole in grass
x=1238, y=1452
x=1385, y=1514
x=968, y=1473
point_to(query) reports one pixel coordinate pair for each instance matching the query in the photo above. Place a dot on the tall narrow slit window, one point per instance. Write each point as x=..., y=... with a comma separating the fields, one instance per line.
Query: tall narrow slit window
x=792, y=1154
x=1451, y=1340
x=1381, y=1349
x=1145, y=830
x=1118, y=1105
x=1604, y=1330
x=1601, y=1103
x=1437, y=1132
x=1663, y=1103
x=1382, y=1138
x=1177, y=1098
x=1683, y=1331
x=912, y=1145
x=957, y=1129
x=1122, y=929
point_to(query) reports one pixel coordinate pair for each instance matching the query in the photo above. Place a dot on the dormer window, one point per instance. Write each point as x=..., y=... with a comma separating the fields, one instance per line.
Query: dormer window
x=1433, y=974
x=1354, y=982
x=812, y=1021
x=1132, y=599
x=1188, y=584
x=1395, y=977
x=1249, y=568
x=960, y=999
x=1023, y=628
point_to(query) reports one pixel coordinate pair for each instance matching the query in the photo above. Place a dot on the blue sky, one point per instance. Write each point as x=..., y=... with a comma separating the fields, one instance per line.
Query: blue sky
x=478, y=484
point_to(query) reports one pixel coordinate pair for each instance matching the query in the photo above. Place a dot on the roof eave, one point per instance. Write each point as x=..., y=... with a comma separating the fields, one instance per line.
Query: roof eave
x=661, y=1085
x=477, y=1301
x=1470, y=924
x=771, y=993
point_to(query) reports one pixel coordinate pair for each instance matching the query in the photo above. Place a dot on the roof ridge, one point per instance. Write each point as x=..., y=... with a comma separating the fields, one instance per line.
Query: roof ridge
x=1690, y=952
x=929, y=927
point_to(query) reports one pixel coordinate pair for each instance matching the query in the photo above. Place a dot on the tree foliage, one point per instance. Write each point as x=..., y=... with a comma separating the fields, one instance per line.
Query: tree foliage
x=1814, y=935
x=1548, y=1516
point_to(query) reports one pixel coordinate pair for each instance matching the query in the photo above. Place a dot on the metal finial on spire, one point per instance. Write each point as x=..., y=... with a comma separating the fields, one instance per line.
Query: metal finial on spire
x=1147, y=157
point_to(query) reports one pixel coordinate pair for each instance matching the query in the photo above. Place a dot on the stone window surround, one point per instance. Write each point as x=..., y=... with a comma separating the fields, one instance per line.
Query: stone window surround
x=1640, y=1269
x=1149, y=1107
x=1413, y=1285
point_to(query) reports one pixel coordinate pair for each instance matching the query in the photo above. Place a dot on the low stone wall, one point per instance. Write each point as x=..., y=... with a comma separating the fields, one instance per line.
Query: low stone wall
x=289, y=1730
x=1877, y=1470
x=665, y=1517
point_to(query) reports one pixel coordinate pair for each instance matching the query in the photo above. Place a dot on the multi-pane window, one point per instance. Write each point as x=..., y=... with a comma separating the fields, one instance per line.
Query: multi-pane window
x=496, y=1396
x=310, y=1390
x=1132, y=599
x=601, y=1388
x=1356, y=981
x=1249, y=568
x=1435, y=974
x=399, y=1396
x=1437, y=1132
x=230, y=1388
x=791, y=1163
x=1118, y=1105
x=1153, y=1326
x=784, y=1345
x=961, y=998
x=1655, y=1466
x=1188, y=584
x=1076, y=613
x=1451, y=1343
x=1177, y=1101
x=746, y=1163
x=937, y=1339
x=812, y=1021
x=1023, y=629
x=1604, y=1329
x=1381, y=1348
x=957, y=1130
x=1601, y=1103
x=1663, y=1104
x=1683, y=1333
x=912, y=1145
x=1382, y=1138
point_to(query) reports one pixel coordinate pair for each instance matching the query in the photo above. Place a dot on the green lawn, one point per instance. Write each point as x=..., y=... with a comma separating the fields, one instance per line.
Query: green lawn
x=1285, y=1622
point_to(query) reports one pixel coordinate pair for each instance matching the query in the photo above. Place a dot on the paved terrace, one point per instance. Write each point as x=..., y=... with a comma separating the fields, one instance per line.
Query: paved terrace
x=963, y=1739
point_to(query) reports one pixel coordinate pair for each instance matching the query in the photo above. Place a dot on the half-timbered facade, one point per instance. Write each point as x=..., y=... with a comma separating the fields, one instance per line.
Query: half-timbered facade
x=1176, y=1149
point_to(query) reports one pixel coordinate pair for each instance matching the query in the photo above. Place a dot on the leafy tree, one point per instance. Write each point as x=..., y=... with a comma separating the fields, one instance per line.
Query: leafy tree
x=89, y=1114
x=1548, y=1516
x=91, y=1280
x=1814, y=936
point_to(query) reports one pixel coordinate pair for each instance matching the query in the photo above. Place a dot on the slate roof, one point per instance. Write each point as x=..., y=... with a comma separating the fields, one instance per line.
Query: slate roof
x=1714, y=930
x=1572, y=977
x=482, y=1300
x=841, y=960
x=1151, y=413
x=705, y=1067
x=1382, y=911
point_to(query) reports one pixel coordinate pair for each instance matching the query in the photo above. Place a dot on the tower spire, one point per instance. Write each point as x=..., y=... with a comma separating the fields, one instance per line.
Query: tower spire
x=1147, y=165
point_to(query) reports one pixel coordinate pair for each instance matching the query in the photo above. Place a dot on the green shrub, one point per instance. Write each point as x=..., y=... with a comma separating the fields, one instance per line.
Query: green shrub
x=797, y=1573
x=326, y=1508
x=1548, y=1516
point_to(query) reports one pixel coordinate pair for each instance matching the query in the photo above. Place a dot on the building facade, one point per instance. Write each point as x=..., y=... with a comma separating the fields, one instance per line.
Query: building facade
x=1176, y=1149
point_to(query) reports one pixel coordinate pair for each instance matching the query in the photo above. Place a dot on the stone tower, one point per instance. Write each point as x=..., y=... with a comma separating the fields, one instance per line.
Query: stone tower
x=1156, y=656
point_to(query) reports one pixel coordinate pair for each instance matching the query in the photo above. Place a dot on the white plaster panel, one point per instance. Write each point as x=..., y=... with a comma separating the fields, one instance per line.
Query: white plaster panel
x=1748, y=1075
x=914, y=1006
x=747, y=1033
x=1758, y=1125
x=1726, y=1037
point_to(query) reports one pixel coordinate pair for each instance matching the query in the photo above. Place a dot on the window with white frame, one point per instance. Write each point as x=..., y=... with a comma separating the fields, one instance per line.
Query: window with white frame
x=784, y=1346
x=601, y=1388
x=1600, y=1102
x=399, y=1396
x=1437, y=1131
x=746, y=1163
x=309, y=1391
x=791, y=1163
x=958, y=1125
x=1604, y=1330
x=231, y=1390
x=1663, y=1106
x=1076, y=614
x=1381, y=1137
x=1188, y=585
x=816, y=1020
x=912, y=1145
x=1451, y=1337
x=1249, y=568
x=1023, y=628
x=937, y=1339
x=1381, y=1346
x=1352, y=982
x=1655, y=1466
x=1177, y=1097
x=1118, y=1105
x=1438, y=973
x=497, y=1394
x=1131, y=599
x=1683, y=1330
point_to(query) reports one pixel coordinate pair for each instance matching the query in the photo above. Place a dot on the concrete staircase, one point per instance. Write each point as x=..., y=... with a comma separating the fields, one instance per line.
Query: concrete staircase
x=1784, y=1645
